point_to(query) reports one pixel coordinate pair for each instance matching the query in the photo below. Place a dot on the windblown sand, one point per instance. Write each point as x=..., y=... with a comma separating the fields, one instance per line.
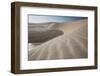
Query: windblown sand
x=72, y=44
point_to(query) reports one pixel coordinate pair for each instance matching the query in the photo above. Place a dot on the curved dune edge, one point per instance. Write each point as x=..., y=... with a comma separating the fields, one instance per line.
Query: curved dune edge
x=72, y=44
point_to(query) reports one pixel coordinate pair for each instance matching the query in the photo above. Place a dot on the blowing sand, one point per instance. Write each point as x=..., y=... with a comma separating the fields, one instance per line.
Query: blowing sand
x=72, y=44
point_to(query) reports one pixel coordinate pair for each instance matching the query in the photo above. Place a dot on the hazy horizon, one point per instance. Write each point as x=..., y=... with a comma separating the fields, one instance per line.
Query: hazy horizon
x=47, y=19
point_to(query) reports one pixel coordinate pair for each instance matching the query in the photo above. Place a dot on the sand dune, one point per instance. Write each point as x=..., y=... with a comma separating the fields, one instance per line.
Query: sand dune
x=42, y=32
x=72, y=44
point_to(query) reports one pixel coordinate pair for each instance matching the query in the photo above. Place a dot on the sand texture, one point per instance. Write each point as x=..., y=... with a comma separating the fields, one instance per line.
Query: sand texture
x=69, y=45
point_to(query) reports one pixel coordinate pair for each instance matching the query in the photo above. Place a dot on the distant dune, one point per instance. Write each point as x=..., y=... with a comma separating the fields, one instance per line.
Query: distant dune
x=42, y=32
x=71, y=44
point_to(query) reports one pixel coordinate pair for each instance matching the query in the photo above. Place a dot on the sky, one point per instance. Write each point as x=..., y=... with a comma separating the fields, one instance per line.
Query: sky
x=44, y=18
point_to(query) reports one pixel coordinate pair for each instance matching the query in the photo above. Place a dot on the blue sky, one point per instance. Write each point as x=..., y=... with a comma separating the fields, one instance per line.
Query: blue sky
x=43, y=18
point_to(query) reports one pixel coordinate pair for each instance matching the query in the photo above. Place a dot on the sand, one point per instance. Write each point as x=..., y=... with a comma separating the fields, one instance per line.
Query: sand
x=71, y=45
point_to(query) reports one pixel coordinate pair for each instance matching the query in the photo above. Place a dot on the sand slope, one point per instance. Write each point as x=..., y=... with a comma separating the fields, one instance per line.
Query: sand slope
x=72, y=44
